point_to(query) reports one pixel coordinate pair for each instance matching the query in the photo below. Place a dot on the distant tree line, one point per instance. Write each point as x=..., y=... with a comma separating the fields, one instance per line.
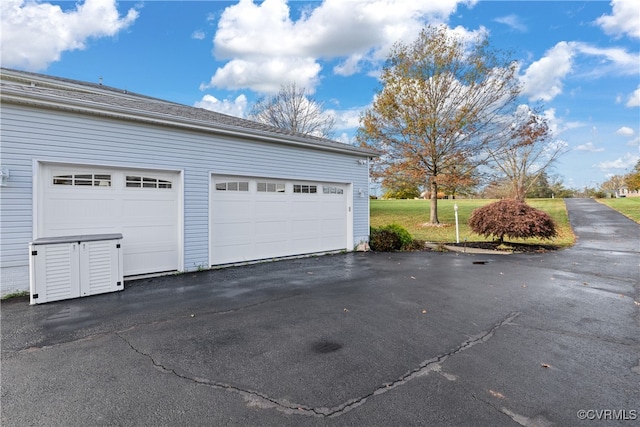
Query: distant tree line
x=542, y=186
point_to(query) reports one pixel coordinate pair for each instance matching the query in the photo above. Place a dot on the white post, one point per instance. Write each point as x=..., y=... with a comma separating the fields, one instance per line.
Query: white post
x=455, y=209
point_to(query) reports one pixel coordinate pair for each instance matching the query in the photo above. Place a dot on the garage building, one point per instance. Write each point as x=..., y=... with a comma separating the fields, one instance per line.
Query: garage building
x=186, y=187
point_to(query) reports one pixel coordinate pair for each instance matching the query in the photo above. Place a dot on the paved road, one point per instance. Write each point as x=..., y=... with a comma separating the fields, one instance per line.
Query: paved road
x=433, y=339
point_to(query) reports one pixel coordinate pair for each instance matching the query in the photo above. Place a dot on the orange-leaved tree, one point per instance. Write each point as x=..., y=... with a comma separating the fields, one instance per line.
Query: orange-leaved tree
x=440, y=98
x=632, y=179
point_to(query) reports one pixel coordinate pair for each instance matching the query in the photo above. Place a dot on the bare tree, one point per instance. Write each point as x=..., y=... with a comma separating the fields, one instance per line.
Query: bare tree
x=613, y=184
x=524, y=150
x=440, y=97
x=293, y=110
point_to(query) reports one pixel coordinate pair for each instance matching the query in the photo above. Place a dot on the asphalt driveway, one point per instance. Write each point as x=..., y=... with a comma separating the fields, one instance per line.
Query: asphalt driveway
x=351, y=339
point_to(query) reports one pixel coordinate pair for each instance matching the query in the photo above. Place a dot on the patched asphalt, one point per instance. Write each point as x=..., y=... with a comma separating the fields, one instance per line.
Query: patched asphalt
x=421, y=338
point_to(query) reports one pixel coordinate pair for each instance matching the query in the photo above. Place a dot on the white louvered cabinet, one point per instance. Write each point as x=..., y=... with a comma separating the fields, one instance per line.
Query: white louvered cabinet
x=75, y=266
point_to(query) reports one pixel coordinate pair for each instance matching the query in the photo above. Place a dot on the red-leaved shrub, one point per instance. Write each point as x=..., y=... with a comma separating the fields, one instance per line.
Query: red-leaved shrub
x=512, y=218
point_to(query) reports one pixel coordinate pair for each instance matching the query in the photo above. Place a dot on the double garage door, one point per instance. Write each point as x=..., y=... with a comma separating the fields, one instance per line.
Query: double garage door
x=255, y=218
x=249, y=218
x=142, y=205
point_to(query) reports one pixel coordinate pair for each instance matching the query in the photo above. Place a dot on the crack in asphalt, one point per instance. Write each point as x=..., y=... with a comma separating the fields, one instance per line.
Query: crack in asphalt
x=264, y=401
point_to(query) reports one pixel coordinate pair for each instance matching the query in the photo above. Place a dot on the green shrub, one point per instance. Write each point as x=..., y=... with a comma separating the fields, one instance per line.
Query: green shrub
x=391, y=237
x=512, y=218
x=403, y=234
x=381, y=240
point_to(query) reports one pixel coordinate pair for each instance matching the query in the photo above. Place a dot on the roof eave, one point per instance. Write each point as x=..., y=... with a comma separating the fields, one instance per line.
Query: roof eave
x=12, y=95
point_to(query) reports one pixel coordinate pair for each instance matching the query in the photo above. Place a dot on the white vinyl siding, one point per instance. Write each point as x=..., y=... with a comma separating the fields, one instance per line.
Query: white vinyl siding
x=32, y=135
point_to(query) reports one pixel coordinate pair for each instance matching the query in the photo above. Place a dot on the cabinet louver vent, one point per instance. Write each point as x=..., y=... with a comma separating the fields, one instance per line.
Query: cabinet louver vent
x=75, y=266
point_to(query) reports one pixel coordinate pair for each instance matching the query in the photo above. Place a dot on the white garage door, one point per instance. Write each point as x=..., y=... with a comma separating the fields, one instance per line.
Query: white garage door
x=253, y=219
x=142, y=205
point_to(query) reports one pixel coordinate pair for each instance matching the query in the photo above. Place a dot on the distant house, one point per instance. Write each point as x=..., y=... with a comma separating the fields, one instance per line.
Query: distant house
x=187, y=188
x=625, y=192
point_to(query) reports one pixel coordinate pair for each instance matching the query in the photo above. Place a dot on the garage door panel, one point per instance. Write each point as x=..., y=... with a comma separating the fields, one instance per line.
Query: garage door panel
x=332, y=226
x=333, y=241
x=305, y=209
x=235, y=253
x=305, y=226
x=306, y=245
x=270, y=250
x=136, y=258
x=67, y=209
x=232, y=207
x=273, y=227
x=264, y=221
x=333, y=209
x=148, y=208
x=270, y=208
x=151, y=236
x=229, y=232
x=148, y=218
x=136, y=263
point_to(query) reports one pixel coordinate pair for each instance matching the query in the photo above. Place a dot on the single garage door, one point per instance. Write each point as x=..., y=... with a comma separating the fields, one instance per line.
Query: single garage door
x=143, y=205
x=253, y=219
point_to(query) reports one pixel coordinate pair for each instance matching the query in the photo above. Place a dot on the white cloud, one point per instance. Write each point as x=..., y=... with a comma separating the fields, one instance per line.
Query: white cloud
x=36, y=34
x=615, y=60
x=634, y=142
x=543, y=79
x=345, y=139
x=512, y=21
x=350, y=66
x=589, y=147
x=347, y=119
x=358, y=32
x=236, y=107
x=627, y=161
x=629, y=133
x=268, y=75
x=198, y=35
x=634, y=99
x=624, y=20
x=625, y=131
x=558, y=125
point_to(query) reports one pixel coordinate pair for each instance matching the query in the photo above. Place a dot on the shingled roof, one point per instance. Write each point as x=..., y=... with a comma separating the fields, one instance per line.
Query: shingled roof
x=26, y=87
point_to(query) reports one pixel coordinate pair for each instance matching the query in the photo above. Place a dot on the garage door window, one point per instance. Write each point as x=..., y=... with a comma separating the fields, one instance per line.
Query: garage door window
x=332, y=189
x=305, y=189
x=146, y=182
x=233, y=186
x=86, y=180
x=270, y=187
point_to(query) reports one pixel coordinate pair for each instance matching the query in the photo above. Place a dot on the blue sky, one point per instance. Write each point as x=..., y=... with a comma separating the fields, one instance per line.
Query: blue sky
x=579, y=60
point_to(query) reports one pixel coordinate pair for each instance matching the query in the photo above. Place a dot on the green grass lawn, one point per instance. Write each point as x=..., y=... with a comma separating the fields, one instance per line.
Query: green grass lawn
x=413, y=214
x=627, y=206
